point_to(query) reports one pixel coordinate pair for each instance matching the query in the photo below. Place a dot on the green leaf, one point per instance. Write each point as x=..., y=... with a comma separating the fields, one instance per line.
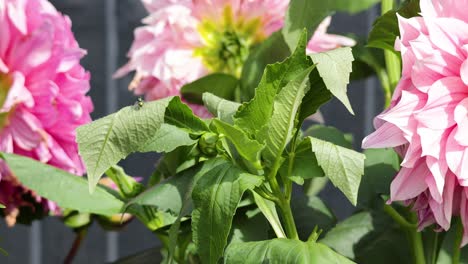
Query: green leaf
x=329, y=134
x=272, y=50
x=168, y=195
x=446, y=252
x=305, y=164
x=67, y=190
x=386, y=29
x=353, y=7
x=283, y=251
x=180, y=115
x=173, y=162
x=186, y=199
x=370, y=238
x=220, y=84
x=248, y=149
x=310, y=13
x=282, y=124
x=268, y=209
x=344, y=167
x=302, y=14
x=381, y=166
x=216, y=196
x=127, y=186
x=255, y=114
x=315, y=97
x=335, y=67
x=221, y=108
x=167, y=139
x=310, y=212
x=106, y=141
x=249, y=226
x=2, y=206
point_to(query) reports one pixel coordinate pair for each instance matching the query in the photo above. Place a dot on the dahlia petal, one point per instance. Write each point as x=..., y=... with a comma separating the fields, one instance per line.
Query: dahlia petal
x=17, y=94
x=436, y=180
x=386, y=136
x=461, y=117
x=26, y=130
x=17, y=16
x=3, y=67
x=401, y=113
x=464, y=72
x=409, y=182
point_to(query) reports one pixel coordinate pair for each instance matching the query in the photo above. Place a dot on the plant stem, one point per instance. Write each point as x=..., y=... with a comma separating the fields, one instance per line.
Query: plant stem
x=411, y=228
x=392, y=60
x=80, y=235
x=398, y=218
x=283, y=201
x=435, y=248
x=290, y=225
x=457, y=243
x=417, y=244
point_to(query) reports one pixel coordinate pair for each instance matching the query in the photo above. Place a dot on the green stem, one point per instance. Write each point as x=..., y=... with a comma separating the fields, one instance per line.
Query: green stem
x=289, y=223
x=457, y=243
x=435, y=248
x=283, y=202
x=401, y=221
x=411, y=228
x=417, y=244
x=392, y=60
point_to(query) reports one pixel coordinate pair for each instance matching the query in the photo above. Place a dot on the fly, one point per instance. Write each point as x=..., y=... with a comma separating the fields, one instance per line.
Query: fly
x=139, y=103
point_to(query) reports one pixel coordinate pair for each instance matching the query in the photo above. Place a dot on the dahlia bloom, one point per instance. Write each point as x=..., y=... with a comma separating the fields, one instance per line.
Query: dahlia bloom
x=427, y=121
x=42, y=95
x=183, y=40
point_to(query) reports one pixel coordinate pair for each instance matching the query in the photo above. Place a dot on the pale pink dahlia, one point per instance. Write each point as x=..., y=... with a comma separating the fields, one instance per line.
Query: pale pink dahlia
x=183, y=40
x=427, y=121
x=42, y=94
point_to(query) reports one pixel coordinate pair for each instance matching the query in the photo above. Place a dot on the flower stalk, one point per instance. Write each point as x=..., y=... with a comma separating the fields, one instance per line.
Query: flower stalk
x=392, y=61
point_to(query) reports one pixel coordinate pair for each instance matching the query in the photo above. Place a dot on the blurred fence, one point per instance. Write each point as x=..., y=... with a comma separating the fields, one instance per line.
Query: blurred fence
x=105, y=29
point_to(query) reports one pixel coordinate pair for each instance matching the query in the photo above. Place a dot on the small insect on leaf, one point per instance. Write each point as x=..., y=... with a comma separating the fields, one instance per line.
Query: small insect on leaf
x=139, y=103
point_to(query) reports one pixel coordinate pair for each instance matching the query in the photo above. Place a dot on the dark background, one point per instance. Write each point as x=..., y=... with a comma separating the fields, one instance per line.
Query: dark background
x=105, y=29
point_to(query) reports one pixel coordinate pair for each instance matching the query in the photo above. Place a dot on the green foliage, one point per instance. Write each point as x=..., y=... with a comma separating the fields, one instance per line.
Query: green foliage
x=220, y=84
x=282, y=125
x=335, y=68
x=106, y=141
x=282, y=251
x=180, y=115
x=381, y=166
x=247, y=148
x=344, y=167
x=252, y=116
x=67, y=190
x=167, y=139
x=329, y=134
x=310, y=212
x=386, y=30
x=369, y=238
x=272, y=50
x=305, y=164
x=221, y=108
x=216, y=197
x=221, y=180
x=310, y=13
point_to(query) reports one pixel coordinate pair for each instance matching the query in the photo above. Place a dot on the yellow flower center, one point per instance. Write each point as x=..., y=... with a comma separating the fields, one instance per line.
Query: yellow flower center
x=5, y=84
x=226, y=43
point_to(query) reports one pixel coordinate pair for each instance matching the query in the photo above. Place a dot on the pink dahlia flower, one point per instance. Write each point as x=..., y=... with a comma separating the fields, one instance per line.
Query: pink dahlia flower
x=427, y=121
x=42, y=94
x=183, y=40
